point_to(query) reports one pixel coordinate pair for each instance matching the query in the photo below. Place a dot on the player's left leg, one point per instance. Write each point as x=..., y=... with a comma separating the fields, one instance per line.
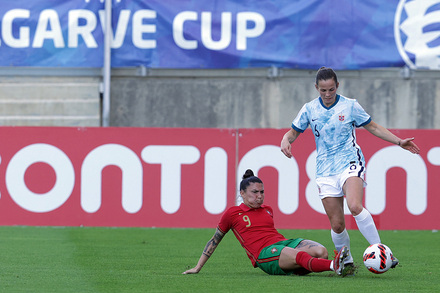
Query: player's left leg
x=291, y=259
x=353, y=190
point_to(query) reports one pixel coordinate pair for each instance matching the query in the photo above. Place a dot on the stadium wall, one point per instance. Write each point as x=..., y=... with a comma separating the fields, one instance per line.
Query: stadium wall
x=267, y=98
x=236, y=98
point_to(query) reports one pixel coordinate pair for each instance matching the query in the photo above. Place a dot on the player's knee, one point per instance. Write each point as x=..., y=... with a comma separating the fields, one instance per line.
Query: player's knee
x=319, y=251
x=322, y=252
x=338, y=227
x=356, y=209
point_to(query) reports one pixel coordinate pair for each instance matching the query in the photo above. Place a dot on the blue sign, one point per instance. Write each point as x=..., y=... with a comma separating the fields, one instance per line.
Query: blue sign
x=303, y=34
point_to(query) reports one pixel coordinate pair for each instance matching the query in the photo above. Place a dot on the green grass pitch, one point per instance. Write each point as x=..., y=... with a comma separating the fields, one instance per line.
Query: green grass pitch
x=74, y=259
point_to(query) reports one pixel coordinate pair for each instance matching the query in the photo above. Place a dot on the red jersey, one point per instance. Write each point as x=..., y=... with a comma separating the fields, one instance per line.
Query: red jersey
x=253, y=228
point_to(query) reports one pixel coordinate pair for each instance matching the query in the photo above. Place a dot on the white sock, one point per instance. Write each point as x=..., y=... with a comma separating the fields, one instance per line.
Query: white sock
x=340, y=240
x=367, y=227
x=331, y=266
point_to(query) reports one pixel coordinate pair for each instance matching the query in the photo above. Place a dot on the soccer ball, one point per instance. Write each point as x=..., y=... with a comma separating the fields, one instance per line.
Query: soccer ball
x=378, y=258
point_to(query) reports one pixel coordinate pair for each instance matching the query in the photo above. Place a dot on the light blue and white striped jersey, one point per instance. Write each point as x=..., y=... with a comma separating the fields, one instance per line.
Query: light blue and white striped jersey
x=334, y=130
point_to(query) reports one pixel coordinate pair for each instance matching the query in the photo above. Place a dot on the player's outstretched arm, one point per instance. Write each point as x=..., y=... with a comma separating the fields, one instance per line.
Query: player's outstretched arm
x=207, y=252
x=286, y=143
x=386, y=135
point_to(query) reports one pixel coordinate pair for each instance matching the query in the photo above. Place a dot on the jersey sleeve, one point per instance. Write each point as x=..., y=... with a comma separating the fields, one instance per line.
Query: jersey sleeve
x=361, y=117
x=225, y=223
x=301, y=122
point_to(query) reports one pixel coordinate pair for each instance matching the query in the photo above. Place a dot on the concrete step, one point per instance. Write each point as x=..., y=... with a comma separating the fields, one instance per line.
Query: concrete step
x=50, y=101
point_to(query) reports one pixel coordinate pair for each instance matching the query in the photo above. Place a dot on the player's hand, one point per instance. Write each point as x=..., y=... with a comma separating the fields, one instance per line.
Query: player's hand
x=286, y=143
x=409, y=145
x=191, y=271
x=286, y=148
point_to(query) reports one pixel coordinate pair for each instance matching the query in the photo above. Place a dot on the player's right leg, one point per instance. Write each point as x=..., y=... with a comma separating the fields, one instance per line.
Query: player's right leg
x=334, y=208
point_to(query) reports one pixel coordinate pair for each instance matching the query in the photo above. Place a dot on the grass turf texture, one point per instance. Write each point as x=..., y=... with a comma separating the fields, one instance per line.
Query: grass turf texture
x=73, y=259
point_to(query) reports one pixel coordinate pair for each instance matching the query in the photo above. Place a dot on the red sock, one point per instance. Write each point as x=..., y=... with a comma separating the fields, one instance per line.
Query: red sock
x=311, y=263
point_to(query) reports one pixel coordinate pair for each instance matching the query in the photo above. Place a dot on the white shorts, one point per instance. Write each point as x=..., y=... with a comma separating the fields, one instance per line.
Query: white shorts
x=331, y=186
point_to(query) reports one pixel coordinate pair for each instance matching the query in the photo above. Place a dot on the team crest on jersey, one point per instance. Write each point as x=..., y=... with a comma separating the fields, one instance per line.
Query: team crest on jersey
x=341, y=117
x=268, y=212
x=274, y=250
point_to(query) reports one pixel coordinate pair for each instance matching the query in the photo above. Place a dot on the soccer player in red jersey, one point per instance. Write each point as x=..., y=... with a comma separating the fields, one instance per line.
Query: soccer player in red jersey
x=253, y=226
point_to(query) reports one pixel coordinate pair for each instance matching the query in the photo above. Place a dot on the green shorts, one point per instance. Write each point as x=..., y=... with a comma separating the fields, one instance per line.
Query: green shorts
x=269, y=256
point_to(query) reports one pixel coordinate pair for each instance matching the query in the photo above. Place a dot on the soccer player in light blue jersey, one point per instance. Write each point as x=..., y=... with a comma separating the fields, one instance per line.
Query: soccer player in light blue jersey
x=340, y=164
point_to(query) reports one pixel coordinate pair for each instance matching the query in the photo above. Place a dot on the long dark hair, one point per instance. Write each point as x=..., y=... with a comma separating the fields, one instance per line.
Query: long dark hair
x=248, y=178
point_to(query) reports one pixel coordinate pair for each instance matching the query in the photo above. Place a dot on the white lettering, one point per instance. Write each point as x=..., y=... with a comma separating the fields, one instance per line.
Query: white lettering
x=216, y=180
x=178, y=30
x=225, y=39
x=22, y=41
x=288, y=174
x=171, y=158
x=139, y=29
x=85, y=31
x=434, y=156
x=243, y=32
x=91, y=172
x=82, y=24
x=416, y=180
x=117, y=39
x=48, y=18
x=53, y=199
x=242, y=35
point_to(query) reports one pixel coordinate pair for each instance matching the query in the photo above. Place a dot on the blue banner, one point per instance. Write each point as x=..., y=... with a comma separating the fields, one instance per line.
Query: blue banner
x=303, y=34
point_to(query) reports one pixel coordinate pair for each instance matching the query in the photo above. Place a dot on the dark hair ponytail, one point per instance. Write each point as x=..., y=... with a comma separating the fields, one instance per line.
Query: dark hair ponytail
x=326, y=73
x=248, y=178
